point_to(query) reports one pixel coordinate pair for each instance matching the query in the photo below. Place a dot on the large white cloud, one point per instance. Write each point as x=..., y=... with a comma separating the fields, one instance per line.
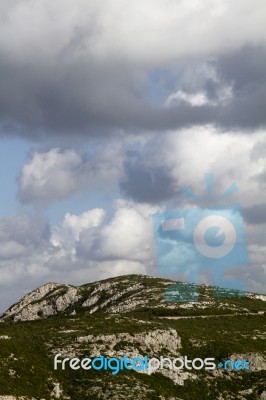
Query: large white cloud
x=87, y=247
x=154, y=168
x=54, y=174
x=128, y=235
x=192, y=153
x=149, y=31
x=49, y=175
x=185, y=156
x=68, y=233
x=82, y=248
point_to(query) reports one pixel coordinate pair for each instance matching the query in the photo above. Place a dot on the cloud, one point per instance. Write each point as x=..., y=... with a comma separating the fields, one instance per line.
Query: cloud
x=234, y=84
x=56, y=174
x=148, y=184
x=11, y=249
x=49, y=176
x=258, y=151
x=73, y=225
x=25, y=248
x=173, y=90
x=90, y=236
x=81, y=249
x=256, y=214
x=160, y=169
x=89, y=247
x=151, y=169
x=92, y=75
x=22, y=231
x=199, y=84
x=131, y=225
x=104, y=29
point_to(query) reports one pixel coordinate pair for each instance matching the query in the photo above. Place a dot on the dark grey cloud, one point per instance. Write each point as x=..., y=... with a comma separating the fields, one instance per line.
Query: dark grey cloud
x=67, y=96
x=77, y=98
x=246, y=69
x=242, y=71
x=148, y=183
x=256, y=214
x=72, y=92
x=261, y=178
x=246, y=110
x=89, y=70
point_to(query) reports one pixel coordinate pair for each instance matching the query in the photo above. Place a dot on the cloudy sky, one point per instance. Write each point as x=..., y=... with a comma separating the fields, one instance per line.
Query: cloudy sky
x=107, y=109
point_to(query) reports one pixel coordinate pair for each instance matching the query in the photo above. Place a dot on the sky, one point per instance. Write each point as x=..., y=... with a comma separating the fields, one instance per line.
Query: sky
x=107, y=110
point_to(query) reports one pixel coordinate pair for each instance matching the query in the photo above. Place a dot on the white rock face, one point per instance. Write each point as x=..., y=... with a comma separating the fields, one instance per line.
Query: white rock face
x=32, y=307
x=67, y=299
x=257, y=296
x=114, y=296
x=91, y=300
x=158, y=339
x=119, y=294
x=11, y=398
x=57, y=391
x=154, y=340
x=128, y=305
x=178, y=377
x=35, y=295
x=16, y=398
x=257, y=362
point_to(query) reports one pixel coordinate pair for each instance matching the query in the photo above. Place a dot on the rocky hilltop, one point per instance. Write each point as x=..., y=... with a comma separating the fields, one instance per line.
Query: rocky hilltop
x=123, y=294
x=135, y=316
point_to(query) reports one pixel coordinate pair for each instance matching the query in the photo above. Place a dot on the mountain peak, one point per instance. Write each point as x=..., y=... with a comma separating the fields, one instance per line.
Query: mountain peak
x=124, y=294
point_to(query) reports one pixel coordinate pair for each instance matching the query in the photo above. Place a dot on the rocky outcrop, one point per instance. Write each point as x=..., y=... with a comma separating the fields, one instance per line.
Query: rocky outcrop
x=121, y=295
x=257, y=296
x=257, y=362
x=30, y=298
x=145, y=330
x=57, y=391
x=45, y=301
x=154, y=341
x=16, y=398
x=151, y=343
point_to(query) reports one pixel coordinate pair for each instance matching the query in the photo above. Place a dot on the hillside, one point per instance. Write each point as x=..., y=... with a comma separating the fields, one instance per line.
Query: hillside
x=135, y=316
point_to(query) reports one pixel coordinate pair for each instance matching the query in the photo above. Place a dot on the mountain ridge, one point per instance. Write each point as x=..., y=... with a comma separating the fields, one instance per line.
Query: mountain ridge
x=53, y=298
x=136, y=316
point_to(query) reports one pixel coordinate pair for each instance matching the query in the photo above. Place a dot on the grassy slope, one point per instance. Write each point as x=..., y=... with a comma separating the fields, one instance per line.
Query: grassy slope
x=26, y=360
